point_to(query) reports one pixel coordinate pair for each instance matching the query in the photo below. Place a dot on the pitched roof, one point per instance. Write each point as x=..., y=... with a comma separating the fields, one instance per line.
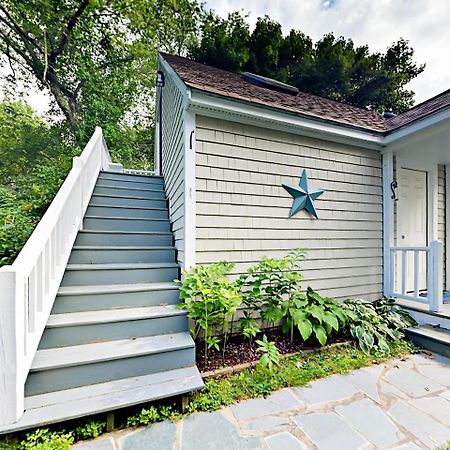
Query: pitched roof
x=232, y=85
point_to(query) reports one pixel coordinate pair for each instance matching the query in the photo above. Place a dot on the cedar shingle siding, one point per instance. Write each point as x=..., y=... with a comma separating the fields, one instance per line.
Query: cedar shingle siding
x=242, y=209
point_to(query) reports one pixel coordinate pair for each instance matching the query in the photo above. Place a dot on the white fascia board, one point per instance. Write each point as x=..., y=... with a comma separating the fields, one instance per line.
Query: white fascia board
x=221, y=108
x=417, y=126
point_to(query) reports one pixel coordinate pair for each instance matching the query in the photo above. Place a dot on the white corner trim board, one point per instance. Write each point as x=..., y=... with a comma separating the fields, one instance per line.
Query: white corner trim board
x=189, y=189
x=30, y=284
x=388, y=221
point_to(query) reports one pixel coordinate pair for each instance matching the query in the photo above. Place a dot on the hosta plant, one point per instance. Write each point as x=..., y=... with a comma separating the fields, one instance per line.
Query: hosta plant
x=374, y=324
x=211, y=300
x=313, y=315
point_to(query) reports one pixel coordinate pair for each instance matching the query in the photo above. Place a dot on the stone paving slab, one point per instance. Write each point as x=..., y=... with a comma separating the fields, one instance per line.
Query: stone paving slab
x=280, y=401
x=430, y=432
x=285, y=441
x=400, y=405
x=363, y=414
x=329, y=432
x=331, y=389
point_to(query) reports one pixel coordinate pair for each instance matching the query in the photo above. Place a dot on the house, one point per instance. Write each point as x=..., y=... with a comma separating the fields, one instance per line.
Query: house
x=88, y=321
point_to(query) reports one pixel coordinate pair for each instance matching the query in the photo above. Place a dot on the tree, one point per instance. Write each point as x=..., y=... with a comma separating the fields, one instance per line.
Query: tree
x=223, y=42
x=331, y=67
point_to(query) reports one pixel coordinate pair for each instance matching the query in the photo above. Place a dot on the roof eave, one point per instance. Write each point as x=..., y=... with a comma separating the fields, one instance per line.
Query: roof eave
x=263, y=115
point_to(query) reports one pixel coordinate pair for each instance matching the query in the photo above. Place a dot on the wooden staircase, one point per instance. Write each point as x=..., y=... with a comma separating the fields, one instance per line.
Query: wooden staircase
x=114, y=337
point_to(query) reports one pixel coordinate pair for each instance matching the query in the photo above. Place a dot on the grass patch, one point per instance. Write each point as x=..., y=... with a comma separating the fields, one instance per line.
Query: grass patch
x=296, y=370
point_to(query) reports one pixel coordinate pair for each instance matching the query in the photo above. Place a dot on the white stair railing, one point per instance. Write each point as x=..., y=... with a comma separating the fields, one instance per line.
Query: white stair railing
x=432, y=293
x=29, y=286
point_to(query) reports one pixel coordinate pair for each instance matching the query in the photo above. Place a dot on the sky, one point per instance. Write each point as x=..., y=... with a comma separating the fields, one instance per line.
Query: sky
x=378, y=23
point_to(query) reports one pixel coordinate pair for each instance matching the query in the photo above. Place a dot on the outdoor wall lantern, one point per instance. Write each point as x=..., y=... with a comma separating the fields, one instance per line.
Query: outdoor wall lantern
x=303, y=197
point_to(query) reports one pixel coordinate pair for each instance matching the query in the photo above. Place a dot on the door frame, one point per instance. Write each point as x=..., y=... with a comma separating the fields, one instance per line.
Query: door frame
x=432, y=194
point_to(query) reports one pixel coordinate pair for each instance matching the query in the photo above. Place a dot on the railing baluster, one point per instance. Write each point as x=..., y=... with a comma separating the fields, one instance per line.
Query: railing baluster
x=416, y=273
x=404, y=271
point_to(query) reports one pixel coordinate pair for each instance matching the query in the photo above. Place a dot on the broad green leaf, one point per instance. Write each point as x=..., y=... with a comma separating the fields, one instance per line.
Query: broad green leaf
x=305, y=328
x=320, y=333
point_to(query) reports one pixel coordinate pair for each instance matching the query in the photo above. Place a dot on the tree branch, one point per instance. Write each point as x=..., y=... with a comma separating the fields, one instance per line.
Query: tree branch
x=66, y=33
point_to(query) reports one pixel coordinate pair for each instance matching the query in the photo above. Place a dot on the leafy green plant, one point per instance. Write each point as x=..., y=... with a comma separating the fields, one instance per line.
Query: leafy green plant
x=270, y=354
x=267, y=284
x=153, y=414
x=45, y=439
x=212, y=300
x=314, y=315
x=90, y=429
x=374, y=324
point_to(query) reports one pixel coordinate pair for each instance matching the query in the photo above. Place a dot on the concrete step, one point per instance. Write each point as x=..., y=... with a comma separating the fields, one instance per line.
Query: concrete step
x=119, y=273
x=125, y=224
x=116, y=238
x=433, y=338
x=124, y=183
x=127, y=201
x=83, y=401
x=102, y=297
x=121, y=254
x=127, y=211
x=121, y=176
x=136, y=192
x=62, y=368
x=84, y=327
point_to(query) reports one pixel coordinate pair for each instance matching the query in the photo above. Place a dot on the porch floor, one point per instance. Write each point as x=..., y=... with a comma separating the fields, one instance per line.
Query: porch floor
x=423, y=308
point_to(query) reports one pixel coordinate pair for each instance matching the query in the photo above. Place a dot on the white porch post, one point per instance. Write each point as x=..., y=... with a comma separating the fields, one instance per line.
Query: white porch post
x=189, y=189
x=388, y=221
x=447, y=227
x=435, y=276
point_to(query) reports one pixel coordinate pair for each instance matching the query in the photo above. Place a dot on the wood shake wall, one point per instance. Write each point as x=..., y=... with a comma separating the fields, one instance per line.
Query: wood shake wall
x=173, y=160
x=242, y=209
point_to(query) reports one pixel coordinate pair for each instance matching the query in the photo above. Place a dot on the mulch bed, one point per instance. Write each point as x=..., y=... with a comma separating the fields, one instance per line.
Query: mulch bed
x=240, y=350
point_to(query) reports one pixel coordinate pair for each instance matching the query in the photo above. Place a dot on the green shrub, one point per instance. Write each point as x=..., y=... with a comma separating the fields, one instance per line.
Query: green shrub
x=44, y=439
x=374, y=324
x=212, y=300
x=266, y=286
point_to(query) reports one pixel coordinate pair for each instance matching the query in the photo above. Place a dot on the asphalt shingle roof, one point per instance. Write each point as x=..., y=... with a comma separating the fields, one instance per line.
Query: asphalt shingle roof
x=232, y=85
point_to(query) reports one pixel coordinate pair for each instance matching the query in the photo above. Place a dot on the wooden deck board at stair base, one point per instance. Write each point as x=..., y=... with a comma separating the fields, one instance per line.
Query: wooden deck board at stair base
x=121, y=266
x=79, y=402
x=436, y=333
x=113, y=315
x=57, y=358
x=116, y=288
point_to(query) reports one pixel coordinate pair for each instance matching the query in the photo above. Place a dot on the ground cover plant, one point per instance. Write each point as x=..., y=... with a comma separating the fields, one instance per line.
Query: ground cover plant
x=260, y=381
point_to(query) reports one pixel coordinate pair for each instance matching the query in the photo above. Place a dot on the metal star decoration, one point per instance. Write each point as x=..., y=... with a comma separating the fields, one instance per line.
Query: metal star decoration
x=303, y=197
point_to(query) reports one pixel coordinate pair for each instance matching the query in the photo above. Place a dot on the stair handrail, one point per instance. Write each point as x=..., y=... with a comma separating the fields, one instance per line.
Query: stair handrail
x=29, y=286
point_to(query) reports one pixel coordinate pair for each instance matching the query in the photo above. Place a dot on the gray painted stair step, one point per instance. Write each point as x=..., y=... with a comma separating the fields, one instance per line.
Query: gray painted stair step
x=120, y=273
x=107, y=187
x=145, y=238
x=68, y=367
x=125, y=224
x=79, y=402
x=127, y=211
x=89, y=298
x=433, y=338
x=121, y=254
x=94, y=326
x=116, y=200
x=131, y=177
x=103, y=181
x=157, y=193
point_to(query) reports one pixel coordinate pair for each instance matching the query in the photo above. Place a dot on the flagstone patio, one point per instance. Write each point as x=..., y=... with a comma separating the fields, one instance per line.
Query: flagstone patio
x=401, y=405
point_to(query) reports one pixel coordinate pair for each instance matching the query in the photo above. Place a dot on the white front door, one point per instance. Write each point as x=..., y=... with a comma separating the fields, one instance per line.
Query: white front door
x=412, y=222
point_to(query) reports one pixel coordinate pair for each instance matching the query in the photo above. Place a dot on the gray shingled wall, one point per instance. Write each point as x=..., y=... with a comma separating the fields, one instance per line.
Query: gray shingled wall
x=242, y=209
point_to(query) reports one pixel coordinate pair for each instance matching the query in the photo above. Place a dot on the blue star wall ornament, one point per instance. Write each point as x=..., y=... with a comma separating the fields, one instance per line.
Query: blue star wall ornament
x=303, y=197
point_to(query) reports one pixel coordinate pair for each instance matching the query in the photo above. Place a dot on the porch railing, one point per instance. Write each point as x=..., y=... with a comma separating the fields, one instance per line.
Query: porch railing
x=29, y=286
x=430, y=294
